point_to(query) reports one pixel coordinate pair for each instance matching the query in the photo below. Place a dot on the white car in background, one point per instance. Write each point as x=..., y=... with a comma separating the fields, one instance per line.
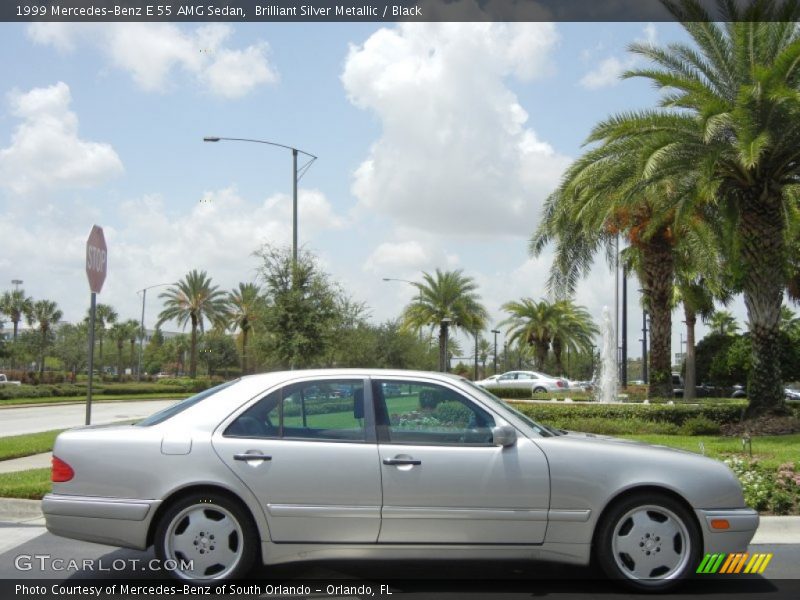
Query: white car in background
x=538, y=383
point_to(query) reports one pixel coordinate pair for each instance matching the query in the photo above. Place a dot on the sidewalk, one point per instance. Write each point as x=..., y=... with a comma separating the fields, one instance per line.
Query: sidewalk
x=36, y=461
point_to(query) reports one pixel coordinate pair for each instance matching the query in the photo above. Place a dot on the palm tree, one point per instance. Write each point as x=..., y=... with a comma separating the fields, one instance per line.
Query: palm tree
x=445, y=298
x=730, y=117
x=16, y=305
x=245, y=305
x=104, y=316
x=723, y=322
x=573, y=330
x=45, y=313
x=190, y=301
x=121, y=333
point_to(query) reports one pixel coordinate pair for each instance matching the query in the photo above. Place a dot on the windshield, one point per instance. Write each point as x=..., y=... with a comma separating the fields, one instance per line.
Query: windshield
x=173, y=410
x=540, y=429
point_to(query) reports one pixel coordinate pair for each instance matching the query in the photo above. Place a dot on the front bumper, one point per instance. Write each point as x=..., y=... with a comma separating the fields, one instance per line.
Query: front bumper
x=743, y=523
x=114, y=521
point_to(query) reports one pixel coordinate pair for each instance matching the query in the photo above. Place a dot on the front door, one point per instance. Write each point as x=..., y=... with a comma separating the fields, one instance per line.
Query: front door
x=443, y=479
x=308, y=453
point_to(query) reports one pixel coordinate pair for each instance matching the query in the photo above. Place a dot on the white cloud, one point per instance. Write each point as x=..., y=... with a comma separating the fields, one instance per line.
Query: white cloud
x=608, y=71
x=455, y=154
x=46, y=151
x=152, y=53
x=411, y=256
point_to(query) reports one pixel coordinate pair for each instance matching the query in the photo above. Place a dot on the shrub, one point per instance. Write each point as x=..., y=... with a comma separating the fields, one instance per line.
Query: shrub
x=452, y=413
x=429, y=398
x=699, y=426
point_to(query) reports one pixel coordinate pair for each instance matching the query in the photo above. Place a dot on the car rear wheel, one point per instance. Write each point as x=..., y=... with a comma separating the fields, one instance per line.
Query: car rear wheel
x=649, y=542
x=539, y=390
x=206, y=536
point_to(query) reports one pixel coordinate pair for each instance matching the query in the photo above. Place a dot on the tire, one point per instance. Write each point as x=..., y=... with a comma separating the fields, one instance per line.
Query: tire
x=650, y=542
x=211, y=532
x=539, y=390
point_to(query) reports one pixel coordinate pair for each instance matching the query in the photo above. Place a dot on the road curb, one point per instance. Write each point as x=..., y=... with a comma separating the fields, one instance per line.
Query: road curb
x=15, y=510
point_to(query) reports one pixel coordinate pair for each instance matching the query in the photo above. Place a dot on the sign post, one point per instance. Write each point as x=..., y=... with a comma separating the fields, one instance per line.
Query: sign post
x=96, y=267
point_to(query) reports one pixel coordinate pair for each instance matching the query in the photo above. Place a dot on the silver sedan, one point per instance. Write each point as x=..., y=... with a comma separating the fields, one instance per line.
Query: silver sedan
x=372, y=464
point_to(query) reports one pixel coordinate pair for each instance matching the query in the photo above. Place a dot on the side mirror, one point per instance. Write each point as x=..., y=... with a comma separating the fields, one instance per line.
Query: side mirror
x=505, y=436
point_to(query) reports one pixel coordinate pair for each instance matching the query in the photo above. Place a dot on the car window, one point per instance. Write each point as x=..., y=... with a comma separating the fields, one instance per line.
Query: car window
x=426, y=413
x=506, y=377
x=524, y=376
x=181, y=406
x=327, y=410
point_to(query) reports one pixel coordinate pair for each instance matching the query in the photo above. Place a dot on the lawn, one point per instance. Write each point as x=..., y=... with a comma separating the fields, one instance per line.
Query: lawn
x=26, y=445
x=771, y=451
x=32, y=484
x=95, y=397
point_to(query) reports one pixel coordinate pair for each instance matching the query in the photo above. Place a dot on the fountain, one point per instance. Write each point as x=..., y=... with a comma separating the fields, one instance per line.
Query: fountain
x=606, y=389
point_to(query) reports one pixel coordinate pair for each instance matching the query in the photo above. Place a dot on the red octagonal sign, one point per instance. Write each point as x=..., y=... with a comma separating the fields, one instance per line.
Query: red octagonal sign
x=96, y=264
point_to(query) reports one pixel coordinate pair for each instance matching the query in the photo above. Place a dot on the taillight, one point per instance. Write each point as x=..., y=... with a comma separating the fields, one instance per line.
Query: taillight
x=559, y=383
x=61, y=471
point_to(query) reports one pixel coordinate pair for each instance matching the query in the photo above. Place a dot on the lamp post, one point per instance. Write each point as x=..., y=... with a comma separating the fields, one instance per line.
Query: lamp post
x=644, y=346
x=142, y=333
x=16, y=283
x=297, y=175
x=495, y=332
x=419, y=294
x=444, y=360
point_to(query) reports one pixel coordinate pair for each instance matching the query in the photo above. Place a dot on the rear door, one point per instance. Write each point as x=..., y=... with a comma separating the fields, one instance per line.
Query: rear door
x=308, y=453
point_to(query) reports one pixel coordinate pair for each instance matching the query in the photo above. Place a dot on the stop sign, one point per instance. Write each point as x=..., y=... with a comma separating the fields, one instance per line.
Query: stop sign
x=96, y=253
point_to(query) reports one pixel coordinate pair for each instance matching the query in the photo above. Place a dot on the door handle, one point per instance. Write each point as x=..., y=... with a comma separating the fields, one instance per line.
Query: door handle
x=247, y=457
x=401, y=461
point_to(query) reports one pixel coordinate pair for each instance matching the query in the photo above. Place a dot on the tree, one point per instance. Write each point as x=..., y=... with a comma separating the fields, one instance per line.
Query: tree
x=246, y=306
x=154, y=355
x=104, y=316
x=45, y=314
x=723, y=323
x=218, y=351
x=445, y=299
x=573, y=330
x=191, y=300
x=730, y=119
x=15, y=305
x=121, y=333
x=71, y=345
x=301, y=307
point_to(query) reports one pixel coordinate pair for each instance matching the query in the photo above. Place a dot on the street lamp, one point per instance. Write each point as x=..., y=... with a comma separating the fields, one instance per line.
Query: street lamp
x=142, y=336
x=419, y=294
x=297, y=175
x=16, y=283
x=495, y=332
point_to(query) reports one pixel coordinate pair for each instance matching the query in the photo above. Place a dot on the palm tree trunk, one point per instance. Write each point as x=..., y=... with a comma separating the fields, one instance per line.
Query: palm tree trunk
x=100, y=357
x=41, y=362
x=761, y=231
x=119, y=361
x=193, y=350
x=16, y=327
x=244, y=351
x=442, y=346
x=689, y=380
x=541, y=354
x=658, y=269
x=557, y=351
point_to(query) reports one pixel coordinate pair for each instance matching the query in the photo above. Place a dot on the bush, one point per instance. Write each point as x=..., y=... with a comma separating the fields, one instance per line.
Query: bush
x=699, y=426
x=452, y=413
x=429, y=398
x=603, y=426
x=676, y=414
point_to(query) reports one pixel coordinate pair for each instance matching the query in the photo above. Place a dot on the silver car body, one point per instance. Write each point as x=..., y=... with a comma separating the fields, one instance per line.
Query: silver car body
x=538, y=498
x=528, y=380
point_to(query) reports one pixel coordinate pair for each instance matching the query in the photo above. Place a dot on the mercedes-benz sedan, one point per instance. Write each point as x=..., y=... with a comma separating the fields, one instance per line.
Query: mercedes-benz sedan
x=372, y=464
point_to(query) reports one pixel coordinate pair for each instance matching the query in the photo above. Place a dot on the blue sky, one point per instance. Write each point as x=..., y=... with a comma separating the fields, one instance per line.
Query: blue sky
x=437, y=144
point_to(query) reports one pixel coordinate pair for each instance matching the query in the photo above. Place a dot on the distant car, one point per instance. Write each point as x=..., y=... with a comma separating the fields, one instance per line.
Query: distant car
x=271, y=469
x=739, y=391
x=538, y=383
x=791, y=394
x=6, y=381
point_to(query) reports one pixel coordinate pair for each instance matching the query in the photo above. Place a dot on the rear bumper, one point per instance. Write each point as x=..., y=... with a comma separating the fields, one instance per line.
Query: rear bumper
x=113, y=521
x=743, y=523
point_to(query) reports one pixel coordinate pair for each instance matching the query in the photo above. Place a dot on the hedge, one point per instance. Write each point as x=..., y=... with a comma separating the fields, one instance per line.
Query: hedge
x=112, y=389
x=677, y=414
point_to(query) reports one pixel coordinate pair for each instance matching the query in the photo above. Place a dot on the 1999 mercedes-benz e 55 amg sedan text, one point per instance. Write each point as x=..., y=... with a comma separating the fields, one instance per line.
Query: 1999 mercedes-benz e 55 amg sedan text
x=386, y=464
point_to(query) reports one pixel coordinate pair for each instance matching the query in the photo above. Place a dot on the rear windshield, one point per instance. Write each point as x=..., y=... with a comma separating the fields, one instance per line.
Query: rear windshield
x=181, y=406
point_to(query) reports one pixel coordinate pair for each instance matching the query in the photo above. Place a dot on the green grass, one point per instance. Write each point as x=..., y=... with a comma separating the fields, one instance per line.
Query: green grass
x=17, y=446
x=32, y=484
x=771, y=451
x=98, y=397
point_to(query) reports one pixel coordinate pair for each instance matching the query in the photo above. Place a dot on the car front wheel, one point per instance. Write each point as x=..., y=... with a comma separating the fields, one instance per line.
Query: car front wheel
x=206, y=536
x=650, y=542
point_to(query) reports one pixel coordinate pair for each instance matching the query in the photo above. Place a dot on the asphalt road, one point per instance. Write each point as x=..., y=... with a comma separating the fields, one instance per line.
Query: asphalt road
x=428, y=579
x=17, y=421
